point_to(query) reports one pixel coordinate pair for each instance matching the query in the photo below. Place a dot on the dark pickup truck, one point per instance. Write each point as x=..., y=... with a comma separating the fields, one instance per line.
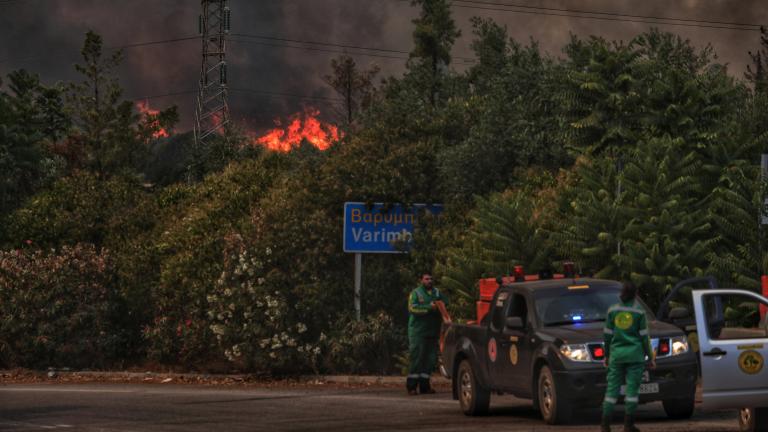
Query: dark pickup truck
x=543, y=340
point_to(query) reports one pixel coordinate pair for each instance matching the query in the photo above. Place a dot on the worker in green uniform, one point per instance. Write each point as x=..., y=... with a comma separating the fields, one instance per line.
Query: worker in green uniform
x=423, y=334
x=627, y=346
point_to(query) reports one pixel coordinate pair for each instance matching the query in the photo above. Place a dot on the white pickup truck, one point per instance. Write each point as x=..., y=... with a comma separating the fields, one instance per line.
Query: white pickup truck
x=733, y=345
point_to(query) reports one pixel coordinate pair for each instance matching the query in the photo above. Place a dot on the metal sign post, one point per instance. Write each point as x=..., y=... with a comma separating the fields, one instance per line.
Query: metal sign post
x=358, y=282
x=378, y=228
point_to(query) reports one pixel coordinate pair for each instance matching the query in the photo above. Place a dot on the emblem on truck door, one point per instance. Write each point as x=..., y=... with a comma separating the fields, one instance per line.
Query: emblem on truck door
x=492, y=349
x=513, y=354
x=750, y=362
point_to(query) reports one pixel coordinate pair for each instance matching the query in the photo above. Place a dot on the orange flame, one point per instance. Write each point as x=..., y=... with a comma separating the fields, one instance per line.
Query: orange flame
x=302, y=126
x=151, y=115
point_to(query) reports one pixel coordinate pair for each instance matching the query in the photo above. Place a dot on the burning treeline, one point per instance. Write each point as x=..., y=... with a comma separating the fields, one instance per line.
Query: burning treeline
x=301, y=126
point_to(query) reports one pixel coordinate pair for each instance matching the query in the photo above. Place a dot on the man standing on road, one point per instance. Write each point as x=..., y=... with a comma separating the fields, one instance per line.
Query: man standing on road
x=423, y=334
x=627, y=345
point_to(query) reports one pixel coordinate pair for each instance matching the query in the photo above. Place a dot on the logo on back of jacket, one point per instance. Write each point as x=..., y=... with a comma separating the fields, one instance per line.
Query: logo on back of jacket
x=623, y=320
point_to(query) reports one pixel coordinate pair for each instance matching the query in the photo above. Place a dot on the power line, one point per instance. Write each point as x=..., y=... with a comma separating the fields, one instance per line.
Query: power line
x=159, y=42
x=158, y=96
x=316, y=49
x=288, y=95
x=333, y=45
x=116, y=47
x=280, y=39
x=570, y=15
x=614, y=14
x=240, y=90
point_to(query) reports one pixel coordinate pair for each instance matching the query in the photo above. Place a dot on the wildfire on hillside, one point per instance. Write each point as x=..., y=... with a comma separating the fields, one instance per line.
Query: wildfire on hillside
x=144, y=109
x=300, y=126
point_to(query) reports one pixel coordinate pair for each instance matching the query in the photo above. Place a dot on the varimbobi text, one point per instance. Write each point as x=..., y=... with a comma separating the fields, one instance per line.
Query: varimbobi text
x=358, y=216
x=381, y=235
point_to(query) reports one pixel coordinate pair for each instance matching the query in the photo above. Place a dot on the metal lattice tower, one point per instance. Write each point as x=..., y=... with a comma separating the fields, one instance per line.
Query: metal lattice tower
x=211, y=110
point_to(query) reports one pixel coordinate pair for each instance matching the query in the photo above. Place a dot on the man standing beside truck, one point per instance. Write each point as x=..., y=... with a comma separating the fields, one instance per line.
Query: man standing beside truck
x=424, y=325
x=627, y=345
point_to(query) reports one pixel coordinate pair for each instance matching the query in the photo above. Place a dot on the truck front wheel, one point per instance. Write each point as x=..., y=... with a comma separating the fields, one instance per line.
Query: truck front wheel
x=679, y=408
x=555, y=409
x=474, y=399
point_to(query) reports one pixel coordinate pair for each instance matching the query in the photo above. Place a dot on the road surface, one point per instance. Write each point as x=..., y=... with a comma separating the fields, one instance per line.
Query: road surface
x=169, y=407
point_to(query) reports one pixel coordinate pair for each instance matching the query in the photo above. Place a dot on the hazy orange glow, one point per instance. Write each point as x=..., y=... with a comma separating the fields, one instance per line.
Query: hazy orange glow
x=144, y=109
x=301, y=126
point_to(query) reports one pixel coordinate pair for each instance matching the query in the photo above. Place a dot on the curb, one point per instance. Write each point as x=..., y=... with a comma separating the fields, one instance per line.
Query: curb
x=367, y=379
x=53, y=375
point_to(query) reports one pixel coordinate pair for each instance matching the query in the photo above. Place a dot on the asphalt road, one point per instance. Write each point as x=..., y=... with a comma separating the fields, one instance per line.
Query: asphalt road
x=168, y=407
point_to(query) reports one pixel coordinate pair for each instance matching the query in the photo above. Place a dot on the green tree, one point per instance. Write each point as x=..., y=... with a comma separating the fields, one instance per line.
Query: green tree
x=507, y=229
x=113, y=136
x=491, y=50
x=591, y=217
x=668, y=234
x=757, y=72
x=512, y=125
x=356, y=87
x=433, y=37
x=31, y=121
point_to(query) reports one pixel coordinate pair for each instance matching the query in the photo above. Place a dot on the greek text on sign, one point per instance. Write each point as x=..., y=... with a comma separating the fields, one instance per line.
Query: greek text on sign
x=379, y=229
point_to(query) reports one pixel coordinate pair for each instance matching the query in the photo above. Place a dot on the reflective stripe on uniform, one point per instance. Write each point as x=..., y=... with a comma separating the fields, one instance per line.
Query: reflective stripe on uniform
x=610, y=400
x=625, y=309
x=632, y=399
x=413, y=376
x=424, y=375
x=644, y=332
x=607, y=331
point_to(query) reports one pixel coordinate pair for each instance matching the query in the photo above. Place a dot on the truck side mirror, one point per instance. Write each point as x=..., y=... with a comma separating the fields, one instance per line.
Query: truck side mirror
x=678, y=313
x=514, y=323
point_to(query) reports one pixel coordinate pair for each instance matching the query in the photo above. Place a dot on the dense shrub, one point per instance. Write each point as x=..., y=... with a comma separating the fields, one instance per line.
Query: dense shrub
x=189, y=242
x=367, y=346
x=255, y=326
x=57, y=308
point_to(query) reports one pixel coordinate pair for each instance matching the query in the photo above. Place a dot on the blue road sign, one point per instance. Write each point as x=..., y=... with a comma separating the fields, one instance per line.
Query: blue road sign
x=377, y=230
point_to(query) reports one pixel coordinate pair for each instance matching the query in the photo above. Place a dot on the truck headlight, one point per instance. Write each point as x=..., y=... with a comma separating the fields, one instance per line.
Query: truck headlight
x=575, y=352
x=679, y=345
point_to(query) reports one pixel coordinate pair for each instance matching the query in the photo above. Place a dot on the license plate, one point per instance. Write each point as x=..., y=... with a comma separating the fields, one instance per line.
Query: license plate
x=645, y=388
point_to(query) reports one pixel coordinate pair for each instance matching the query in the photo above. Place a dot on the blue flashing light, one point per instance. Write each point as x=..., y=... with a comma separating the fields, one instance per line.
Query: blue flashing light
x=577, y=317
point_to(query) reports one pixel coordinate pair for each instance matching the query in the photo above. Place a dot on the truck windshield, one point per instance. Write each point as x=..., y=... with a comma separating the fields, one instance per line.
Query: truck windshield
x=577, y=306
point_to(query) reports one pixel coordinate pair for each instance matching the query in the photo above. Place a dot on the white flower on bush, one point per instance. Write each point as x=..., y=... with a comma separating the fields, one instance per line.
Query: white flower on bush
x=301, y=327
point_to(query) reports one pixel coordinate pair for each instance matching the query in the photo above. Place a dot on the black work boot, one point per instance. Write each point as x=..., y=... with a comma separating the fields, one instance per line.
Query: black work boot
x=605, y=426
x=629, y=423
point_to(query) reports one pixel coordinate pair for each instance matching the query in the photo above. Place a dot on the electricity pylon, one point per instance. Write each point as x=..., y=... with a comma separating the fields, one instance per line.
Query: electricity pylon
x=211, y=110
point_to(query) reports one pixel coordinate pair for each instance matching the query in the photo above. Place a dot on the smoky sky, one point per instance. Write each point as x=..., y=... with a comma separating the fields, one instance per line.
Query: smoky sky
x=45, y=36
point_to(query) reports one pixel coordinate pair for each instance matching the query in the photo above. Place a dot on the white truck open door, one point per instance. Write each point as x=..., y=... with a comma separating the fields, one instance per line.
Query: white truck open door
x=733, y=342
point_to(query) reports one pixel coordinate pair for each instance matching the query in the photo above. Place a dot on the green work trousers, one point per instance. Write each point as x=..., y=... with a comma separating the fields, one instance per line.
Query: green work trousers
x=617, y=372
x=423, y=360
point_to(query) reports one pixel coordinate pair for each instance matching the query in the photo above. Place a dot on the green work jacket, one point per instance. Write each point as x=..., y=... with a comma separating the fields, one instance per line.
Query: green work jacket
x=626, y=333
x=424, y=321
